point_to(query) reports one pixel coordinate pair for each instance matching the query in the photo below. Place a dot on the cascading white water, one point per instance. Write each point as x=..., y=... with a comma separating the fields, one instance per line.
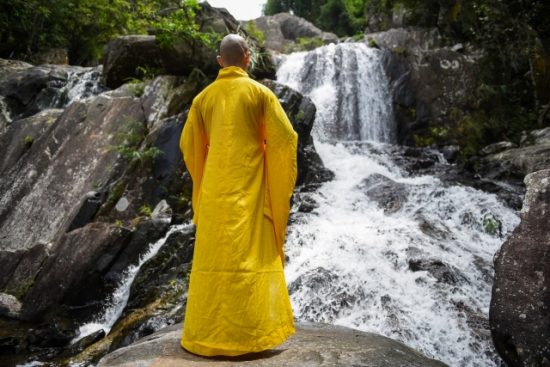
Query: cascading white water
x=349, y=88
x=421, y=273
x=118, y=300
x=80, y=85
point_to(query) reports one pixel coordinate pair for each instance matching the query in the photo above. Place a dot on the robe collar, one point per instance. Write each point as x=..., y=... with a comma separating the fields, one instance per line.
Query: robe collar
x=231, y=72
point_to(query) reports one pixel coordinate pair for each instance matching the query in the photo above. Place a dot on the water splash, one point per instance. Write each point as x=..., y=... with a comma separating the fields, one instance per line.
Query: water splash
x=403, y=256
x=118, y=300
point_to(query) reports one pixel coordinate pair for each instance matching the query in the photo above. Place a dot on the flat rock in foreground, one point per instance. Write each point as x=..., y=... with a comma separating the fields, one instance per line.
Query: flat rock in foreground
x=312, y=345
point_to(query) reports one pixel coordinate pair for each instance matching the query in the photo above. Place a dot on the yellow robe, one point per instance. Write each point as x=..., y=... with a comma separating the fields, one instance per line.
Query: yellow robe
x=240, y=149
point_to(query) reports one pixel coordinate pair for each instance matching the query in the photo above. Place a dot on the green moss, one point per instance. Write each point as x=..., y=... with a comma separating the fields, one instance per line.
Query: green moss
x=372, y=43
x=21, y=289
x=28, y=140
x=300, y=116
x=136, y=87
x=146, y=210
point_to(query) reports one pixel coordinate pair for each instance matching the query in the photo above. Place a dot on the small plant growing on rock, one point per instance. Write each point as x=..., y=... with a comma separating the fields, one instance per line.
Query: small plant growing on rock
x=145, y=210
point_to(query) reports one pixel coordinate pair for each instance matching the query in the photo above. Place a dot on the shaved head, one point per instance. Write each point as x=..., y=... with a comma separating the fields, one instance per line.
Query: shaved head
x=233, y=52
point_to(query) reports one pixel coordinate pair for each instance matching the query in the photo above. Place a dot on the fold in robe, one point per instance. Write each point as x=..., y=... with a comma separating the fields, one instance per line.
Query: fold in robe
x=240, y=149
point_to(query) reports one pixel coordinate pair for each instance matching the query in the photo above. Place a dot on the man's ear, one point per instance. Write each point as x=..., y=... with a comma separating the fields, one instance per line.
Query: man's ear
x=247, y=58
x=219, y=59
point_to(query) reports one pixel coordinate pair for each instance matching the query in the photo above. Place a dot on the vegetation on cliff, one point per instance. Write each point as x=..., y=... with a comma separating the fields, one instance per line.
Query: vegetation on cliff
x=84, y=26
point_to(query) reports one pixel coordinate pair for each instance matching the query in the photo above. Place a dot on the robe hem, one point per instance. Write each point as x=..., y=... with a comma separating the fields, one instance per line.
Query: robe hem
x=275, y=338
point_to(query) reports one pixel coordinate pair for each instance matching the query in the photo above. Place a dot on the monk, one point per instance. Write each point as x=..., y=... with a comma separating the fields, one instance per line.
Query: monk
x=240, y=149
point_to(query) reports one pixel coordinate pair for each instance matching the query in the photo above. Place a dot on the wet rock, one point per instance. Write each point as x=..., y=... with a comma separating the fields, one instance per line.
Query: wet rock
x=535, y=137
x=389, y=195
x=8, y=67
x=420, y=71
x=33, y=89
x=301, y=112
x=283, y=29
x=162, y=215
x=514, y=164
x=23, y=276
x=22, y=134
x=520, y=304
x=497, y=147
x=313, y=344
x=85, y=342
x=9, y=306
x=444, y=273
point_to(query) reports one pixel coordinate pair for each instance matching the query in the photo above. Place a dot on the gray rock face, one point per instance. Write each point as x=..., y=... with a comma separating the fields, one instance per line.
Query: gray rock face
x=420, y=71
x=22, y=134
x=283, y=29
x=520, y=304
x=40, y=194
x=312, y=345
x=78, y=254
x=506, y=161
x=301, y=112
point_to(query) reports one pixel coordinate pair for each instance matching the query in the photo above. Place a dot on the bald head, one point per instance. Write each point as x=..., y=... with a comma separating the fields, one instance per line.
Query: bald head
x=234, y=52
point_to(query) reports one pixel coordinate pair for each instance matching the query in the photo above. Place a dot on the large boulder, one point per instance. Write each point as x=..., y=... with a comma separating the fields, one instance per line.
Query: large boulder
x=312, y=345
x=420, y=70
x=506, y=161
x=283, y=30
x=126, y=57
x=520, y=304
x=40, y=195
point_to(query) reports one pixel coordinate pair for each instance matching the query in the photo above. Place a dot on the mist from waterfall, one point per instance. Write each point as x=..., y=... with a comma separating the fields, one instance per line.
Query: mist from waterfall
x=420, y=273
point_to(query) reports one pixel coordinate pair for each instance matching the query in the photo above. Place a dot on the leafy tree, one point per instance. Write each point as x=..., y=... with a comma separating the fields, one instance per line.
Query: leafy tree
x=84, y=26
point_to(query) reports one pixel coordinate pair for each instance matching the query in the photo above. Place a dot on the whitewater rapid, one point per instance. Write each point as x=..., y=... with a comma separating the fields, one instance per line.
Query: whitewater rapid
x=421, y=273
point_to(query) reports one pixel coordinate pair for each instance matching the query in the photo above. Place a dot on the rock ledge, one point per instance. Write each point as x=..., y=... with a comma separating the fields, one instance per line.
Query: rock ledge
x=312, y=345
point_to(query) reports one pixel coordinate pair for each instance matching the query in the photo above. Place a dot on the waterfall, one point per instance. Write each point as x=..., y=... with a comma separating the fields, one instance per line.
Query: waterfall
x=81, y=83
x=387, y=252
x=349, y=88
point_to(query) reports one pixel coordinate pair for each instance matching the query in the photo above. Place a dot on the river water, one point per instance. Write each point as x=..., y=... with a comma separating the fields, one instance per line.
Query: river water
x=419, y=272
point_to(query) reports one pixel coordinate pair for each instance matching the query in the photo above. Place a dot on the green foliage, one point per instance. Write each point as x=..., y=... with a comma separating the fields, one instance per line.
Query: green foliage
x=252, y=29
x=146, y=210
x=343, y=17
x=492, y=226
x=28, y=140
x=304, y=44
x=129, y=140
x=84, y=26
x=136, y=87
x=180, y=24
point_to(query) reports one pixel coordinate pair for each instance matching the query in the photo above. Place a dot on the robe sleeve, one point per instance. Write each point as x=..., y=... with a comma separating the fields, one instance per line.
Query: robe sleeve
x=194, y=147
x=281, y=166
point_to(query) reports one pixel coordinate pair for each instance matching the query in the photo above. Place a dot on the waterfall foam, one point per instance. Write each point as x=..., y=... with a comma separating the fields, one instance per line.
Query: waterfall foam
x=421, y=272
